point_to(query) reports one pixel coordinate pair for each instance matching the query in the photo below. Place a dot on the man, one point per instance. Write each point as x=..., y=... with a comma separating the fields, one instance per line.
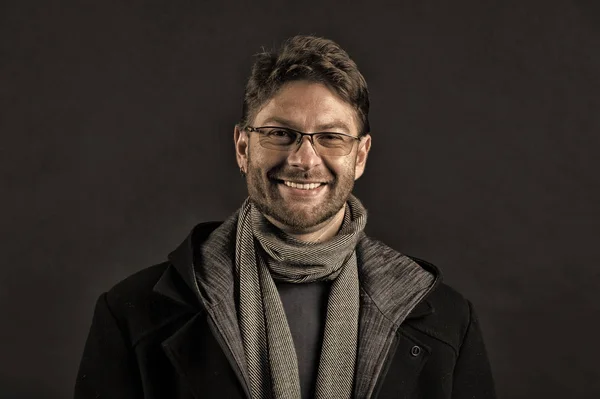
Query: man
x=288, y=298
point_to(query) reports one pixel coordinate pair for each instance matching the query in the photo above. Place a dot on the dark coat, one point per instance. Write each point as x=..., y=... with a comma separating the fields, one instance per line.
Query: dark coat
x=152, y=338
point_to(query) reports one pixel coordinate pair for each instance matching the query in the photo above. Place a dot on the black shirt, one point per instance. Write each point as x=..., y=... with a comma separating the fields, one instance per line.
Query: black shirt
x=305, y=307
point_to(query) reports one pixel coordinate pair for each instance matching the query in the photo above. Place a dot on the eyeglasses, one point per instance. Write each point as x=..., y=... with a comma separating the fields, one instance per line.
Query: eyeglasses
x=284, y=139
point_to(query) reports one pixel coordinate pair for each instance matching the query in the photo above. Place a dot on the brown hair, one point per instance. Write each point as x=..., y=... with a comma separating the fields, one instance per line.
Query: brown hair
x=307, y=58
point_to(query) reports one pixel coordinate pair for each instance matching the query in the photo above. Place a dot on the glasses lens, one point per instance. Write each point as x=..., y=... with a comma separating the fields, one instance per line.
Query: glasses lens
x=326, y=143
x=333, y=143
x=277, y=138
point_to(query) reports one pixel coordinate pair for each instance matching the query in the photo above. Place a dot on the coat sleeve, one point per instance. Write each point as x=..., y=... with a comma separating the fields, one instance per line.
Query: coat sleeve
x=472, y=373
x=108, y=368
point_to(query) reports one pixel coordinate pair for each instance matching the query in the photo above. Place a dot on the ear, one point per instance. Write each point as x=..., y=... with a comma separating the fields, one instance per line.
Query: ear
x=364, y=146
x=240, y=139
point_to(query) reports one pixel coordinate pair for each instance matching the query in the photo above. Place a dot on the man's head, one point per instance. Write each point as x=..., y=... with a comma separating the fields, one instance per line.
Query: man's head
x=310, y=85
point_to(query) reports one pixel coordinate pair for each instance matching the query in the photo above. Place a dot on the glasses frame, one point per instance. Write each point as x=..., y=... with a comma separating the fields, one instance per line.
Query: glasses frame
x=299, y=136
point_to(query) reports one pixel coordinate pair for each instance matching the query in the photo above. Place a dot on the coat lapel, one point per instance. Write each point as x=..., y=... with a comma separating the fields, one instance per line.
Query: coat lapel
x=375, y=337
x=209, y=347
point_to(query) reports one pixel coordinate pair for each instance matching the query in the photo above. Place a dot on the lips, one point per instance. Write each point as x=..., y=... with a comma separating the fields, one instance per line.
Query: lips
x=301, y=189
x=302, y=186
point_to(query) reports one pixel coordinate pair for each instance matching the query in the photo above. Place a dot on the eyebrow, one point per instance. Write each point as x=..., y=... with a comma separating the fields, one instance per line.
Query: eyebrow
x=335, y=124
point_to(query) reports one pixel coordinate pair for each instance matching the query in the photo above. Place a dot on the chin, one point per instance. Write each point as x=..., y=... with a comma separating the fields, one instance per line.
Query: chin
x=304, y=220
x=297, y=216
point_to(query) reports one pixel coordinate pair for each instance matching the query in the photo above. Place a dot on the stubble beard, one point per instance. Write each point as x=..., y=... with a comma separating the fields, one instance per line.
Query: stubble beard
x=264, y=194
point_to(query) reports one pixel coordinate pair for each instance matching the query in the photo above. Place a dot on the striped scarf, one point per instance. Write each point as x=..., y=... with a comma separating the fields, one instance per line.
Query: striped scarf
x=263, y=255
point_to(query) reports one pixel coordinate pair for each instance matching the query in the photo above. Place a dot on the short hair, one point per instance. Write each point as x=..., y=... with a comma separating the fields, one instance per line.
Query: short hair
x=308, y=58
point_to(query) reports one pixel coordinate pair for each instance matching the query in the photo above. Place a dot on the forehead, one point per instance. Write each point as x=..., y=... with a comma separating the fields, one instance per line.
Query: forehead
x=308, y=106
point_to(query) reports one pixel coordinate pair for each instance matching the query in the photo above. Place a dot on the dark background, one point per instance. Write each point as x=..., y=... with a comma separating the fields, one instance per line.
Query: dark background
x=117, y=123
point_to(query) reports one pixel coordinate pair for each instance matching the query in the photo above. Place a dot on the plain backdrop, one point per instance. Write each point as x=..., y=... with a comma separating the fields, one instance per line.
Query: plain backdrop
x=116, y=121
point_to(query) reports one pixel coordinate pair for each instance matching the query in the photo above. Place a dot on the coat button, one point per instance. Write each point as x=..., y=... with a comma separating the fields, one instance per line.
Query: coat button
x=415, y=351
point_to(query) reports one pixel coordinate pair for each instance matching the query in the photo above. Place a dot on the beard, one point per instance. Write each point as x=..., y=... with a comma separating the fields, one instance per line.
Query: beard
x=264, y=192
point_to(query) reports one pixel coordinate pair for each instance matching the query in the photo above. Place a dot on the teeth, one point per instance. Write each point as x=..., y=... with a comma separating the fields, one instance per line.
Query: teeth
x=309, y=186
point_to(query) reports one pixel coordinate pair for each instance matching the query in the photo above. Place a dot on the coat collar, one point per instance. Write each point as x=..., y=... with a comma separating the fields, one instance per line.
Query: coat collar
x=392, y=287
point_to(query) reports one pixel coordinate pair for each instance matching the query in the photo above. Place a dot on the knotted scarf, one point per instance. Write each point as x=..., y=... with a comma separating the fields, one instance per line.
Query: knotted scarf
x=265, y=254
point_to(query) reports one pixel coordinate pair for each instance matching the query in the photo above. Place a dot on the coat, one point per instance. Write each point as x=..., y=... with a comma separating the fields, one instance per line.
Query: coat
x=170, y=332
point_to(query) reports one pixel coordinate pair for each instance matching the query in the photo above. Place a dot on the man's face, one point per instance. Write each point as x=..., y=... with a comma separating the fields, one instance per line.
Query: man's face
x=307, y=107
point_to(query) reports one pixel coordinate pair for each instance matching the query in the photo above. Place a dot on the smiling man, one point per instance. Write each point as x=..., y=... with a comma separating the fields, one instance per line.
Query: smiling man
x=303, y=190
x=289, y=298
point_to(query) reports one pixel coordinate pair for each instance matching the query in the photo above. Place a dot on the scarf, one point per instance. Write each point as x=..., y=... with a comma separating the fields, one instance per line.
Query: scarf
x=264, y=254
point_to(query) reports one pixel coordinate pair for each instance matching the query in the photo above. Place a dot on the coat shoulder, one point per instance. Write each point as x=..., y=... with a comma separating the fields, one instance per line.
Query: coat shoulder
x=447, y=301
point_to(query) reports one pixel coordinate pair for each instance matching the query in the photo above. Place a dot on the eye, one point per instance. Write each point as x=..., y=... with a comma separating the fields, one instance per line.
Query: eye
x=279, y=133
x=331, y=137
x=278, y=136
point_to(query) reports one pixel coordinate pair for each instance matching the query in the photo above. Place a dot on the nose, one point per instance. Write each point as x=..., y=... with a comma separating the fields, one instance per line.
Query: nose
x=305, y=155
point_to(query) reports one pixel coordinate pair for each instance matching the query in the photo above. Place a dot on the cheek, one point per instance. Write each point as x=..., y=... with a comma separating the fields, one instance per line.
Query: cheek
x=263, y=162
x=343, y=167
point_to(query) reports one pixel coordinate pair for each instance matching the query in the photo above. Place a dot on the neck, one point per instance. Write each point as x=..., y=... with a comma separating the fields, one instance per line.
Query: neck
x=319, y=233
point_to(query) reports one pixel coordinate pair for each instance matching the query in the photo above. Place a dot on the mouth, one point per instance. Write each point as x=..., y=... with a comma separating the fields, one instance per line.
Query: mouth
x=302, y=187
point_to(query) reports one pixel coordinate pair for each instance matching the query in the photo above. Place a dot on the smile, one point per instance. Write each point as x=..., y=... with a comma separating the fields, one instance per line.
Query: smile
x=302, y=186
